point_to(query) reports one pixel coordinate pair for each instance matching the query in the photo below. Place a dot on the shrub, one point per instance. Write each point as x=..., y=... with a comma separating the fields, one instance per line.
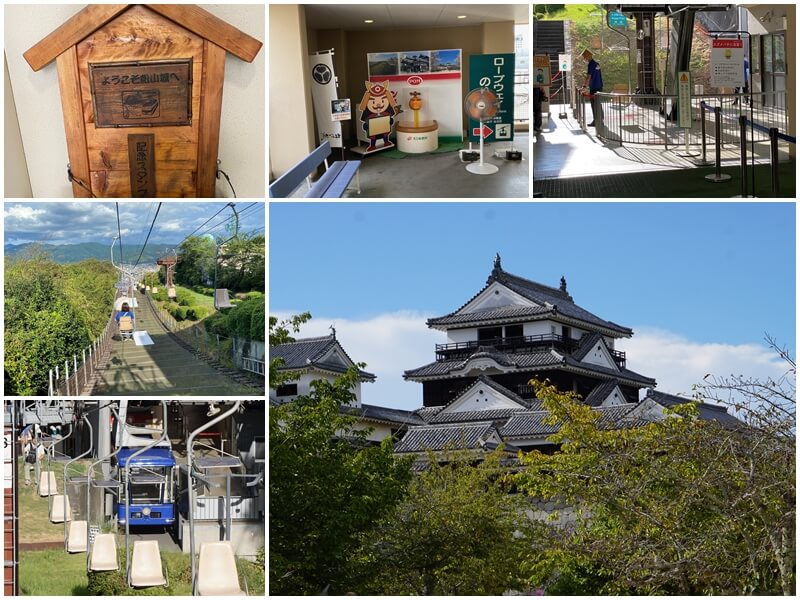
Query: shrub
x=198, y=313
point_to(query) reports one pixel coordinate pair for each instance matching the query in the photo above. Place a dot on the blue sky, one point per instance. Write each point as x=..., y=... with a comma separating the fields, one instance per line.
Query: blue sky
x=96, y=221
x=702, y=278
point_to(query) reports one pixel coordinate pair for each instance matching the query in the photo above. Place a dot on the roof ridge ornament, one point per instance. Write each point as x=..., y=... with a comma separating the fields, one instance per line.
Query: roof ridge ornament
x=497, y=269
x=563, y=286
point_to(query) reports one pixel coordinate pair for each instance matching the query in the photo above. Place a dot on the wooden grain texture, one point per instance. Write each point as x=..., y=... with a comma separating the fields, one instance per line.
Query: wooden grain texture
x=139, y=34
x=117, y=184
x=70, y=33
x=145, y=93
x=174, y=149
x=210, y=114
x=215, y=30
x=142, y=164
x=72, y=108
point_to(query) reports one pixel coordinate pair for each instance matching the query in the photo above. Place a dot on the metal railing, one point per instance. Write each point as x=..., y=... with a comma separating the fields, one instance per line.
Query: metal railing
x=645, y=119
x=227, y=351
x=75, y=376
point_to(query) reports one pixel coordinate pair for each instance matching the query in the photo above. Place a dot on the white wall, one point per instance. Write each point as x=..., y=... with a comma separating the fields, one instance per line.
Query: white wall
x=16, y=182
x=304, y=386
x=241, y=147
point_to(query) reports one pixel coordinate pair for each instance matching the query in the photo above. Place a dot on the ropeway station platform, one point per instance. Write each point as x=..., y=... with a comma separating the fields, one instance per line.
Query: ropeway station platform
x=571, y=162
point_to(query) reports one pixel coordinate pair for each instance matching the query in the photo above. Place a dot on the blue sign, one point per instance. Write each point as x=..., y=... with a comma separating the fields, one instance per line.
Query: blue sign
x=617, y=19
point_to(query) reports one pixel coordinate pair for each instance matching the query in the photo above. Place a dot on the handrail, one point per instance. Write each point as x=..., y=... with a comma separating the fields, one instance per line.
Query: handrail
x=189, y=444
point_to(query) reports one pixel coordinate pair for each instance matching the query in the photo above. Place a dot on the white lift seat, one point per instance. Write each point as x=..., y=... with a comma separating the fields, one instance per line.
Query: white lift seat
x=216, y=571
x=104, y=553
x=146, y=565
x=47, y=484
x=222, y=298
x=60, y=510
x=77, y=540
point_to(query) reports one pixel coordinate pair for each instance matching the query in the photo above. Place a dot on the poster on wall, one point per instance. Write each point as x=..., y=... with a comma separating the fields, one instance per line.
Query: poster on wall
x=340, y=109
x=437, y=72
x=541, y=69
x=495, y=72
x=323, y=93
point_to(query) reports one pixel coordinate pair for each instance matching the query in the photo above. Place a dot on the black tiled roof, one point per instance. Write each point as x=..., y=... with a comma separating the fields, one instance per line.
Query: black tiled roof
x=492, y=314
x=532, y=423
x=427, y=413
x=494, y=415
x=384, y=414
x=708, y=412
x=586, y=344
x=537, y=358
x=307, y=352
x=601, y=392
x=620, y=374
x=439, y=437
x=543, y=295
x=533, y=361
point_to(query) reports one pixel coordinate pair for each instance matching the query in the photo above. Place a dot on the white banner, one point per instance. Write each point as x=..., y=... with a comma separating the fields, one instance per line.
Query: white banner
x=323, y=92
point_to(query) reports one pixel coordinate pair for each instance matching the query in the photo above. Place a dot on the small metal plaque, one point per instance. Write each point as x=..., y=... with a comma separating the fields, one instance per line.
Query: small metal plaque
x=142, y=94
x=142, y=163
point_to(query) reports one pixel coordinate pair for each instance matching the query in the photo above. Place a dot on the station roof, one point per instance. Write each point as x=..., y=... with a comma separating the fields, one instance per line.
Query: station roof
x=155, y=457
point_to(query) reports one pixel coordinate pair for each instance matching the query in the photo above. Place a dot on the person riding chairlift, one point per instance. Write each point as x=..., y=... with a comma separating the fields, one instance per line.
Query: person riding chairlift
x=125, y=312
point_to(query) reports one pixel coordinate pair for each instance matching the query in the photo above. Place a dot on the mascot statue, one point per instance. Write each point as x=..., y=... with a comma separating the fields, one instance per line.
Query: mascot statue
x=378, y=108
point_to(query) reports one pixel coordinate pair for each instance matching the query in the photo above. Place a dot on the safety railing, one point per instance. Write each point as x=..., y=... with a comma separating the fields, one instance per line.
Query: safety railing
x=650, y=119
x=75, y=376
x=227, y=351
x=774, y=135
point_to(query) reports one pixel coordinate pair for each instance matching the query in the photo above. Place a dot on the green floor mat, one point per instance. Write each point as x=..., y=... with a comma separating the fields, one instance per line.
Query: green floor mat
x=444, y=146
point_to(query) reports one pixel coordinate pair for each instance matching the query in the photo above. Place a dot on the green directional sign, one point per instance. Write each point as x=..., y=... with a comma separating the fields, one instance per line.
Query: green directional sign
x=495, y=72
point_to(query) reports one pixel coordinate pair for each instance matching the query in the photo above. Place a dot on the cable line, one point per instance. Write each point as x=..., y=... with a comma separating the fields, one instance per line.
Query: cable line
x=148, y=235
x=119, y=232
x=201, y=226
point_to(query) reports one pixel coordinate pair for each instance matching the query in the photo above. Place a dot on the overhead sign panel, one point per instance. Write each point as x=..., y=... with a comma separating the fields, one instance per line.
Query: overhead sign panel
x=617, y=19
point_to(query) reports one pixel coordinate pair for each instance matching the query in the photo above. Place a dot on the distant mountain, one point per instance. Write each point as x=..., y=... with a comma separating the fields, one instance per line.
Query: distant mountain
x=71, y=253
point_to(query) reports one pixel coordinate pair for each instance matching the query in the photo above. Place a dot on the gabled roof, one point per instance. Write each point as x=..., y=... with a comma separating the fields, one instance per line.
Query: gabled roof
x=586, y=344
x=544, y=296
x=531, y=424
x=707, y=412
x=441, y=437
x=537, y=360
x=601, y=392
x=308, y=353
x=188, y=16
x=383, y=414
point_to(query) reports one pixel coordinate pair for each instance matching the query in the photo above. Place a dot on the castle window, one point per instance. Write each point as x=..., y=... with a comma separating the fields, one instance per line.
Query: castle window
x=290, y=389
x=489, y=333
x=513, y=331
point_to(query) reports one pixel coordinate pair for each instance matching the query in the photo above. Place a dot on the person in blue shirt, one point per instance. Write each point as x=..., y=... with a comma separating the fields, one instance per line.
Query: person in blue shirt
x=124, y=312
x=594, y=78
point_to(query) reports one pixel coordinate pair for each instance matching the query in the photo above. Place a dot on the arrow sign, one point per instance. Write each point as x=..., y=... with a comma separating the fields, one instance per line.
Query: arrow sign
x=485, y=132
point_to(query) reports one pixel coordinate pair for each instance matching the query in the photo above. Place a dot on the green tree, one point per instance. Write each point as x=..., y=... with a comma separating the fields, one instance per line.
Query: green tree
x=195, y=261
x=678, y=506
x=327, y=485
x=458, y=532
x=280, y=332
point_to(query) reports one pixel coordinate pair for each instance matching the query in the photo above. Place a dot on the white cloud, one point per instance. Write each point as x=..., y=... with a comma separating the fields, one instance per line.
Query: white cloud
x=677, y=363
x=390, y=344
x=395, y=342
x=25, y=213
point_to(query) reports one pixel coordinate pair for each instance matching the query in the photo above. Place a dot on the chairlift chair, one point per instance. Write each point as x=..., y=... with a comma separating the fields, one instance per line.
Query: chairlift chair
x=146, y=565
x=216, y=571
x=126, y=328
x=103, y=555
x=222, y=299
x=171, y=293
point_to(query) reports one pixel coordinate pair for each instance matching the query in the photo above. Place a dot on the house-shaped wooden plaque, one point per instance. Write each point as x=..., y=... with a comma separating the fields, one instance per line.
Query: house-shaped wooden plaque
x=141, y=92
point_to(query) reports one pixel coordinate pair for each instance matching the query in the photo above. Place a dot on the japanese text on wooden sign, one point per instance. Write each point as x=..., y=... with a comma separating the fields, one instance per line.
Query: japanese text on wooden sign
x=142, y=93
x=142, y=163
x=727, y=63
x=495, y=72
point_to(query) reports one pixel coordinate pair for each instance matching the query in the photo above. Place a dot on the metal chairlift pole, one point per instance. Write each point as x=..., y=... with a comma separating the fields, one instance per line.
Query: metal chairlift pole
x=85, y=418
x=189, y=443
x=50, y=456
x=90, y=472
x=128, y=485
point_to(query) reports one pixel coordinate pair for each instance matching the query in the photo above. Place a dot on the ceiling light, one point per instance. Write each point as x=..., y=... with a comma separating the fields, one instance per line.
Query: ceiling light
x=368, y=21
x=461, y=17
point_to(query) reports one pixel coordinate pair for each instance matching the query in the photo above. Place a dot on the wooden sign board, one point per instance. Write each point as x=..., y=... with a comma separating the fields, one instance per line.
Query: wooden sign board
x=141, y=92
x=147, y=93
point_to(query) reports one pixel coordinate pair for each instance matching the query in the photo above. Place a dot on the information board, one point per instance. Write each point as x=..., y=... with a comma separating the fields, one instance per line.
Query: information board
x=541, y=70
x=727, y=63
x=684, y=99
